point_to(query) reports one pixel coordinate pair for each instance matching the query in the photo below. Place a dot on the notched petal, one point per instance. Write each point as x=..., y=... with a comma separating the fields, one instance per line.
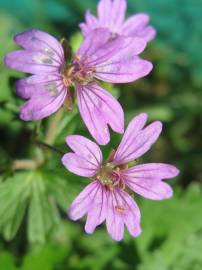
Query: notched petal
x=85, y=150
x=98, y=109
x=146, y=180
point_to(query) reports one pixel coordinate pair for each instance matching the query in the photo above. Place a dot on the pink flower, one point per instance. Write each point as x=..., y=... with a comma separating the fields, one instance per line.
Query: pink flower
x=111, y=14
x=106, y=198
x=99, y=58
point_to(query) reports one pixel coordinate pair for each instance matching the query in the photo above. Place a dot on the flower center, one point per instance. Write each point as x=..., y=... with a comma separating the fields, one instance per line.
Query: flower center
x=77, y=72
x=110, y=176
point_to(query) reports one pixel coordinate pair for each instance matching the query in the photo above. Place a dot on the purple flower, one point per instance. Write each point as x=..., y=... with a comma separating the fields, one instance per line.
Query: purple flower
x=111, y=14
x=106, y=198
x=99, y=58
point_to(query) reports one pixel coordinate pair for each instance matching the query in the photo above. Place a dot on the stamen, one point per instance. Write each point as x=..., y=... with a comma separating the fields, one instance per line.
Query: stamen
x=119, y=209
x=69, y=71
x=67, y=81
x=78, y=58
x=68, y=103
x=107, y=182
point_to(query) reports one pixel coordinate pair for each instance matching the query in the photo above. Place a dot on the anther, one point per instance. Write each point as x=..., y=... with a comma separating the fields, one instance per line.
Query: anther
x=119, y=209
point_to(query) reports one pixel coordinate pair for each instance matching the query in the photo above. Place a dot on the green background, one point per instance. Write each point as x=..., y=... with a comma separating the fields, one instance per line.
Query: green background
x=34, y=231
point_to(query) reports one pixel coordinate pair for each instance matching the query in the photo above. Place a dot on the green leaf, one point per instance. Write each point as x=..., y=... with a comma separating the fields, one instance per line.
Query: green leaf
x=15, y=220
x=67, y=125
x=28, y=190
x=42, y=211
x=167, y=228
x=60, y=189
x=9, y=27
x=7, y=261
x=13, y=200
x=46, y=257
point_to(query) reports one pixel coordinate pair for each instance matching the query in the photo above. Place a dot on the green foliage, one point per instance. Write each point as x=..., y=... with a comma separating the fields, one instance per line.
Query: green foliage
x=7, y=261
x=42, y=210
x=9, y=26
x=46, y=257
x=13, y=199
x=174, y=226
x=70, y=120
x=32, y=192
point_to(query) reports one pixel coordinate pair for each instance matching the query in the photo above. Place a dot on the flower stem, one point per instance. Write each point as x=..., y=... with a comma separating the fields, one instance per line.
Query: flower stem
x=33, y=164
x=52, y=128
x=50, y=147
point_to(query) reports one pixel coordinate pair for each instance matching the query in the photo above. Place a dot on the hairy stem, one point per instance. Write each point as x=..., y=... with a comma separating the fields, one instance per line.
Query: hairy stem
x=50, y=147
x=52, y=128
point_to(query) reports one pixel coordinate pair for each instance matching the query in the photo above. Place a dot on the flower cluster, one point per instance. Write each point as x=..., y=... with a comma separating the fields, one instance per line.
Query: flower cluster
x=109, y=53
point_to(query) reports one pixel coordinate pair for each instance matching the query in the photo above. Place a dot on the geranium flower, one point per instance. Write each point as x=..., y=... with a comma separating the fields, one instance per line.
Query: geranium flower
x=106, y=198
x=99, y=57
x=111, y=15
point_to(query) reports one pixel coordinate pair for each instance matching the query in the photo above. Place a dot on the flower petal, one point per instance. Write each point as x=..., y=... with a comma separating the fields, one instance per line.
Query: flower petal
x=85, y=148
x=98, y=47
x=111, y=13
x=111, y=109
x=99, y=108
x=136, y=140
x=91, y=21
x=148, y=33
x=25, y=90
x=37, y=84
x=124, y=70
x=132, y=216
x=133, y=129
x=122, y=210
x=90, y=24
x=137, y=25
x=146, y=179
x=85, y=29
x=95, y=40
x=124, y=65
x=117, y=15
x=150, y=188
x=114, y=220
x=153, y=170
x=34, y=62
x=110, y=16
x=104, y=12
x=43, y=104
x=84, y=201
x=97, y=211
x=79, y=165
x=35, y=40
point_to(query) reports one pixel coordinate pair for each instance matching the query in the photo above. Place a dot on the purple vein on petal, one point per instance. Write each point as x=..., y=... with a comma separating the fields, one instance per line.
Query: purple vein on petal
x=95, y=89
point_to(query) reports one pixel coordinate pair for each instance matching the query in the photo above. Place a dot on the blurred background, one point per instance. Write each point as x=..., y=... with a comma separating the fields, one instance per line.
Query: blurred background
x=34, y=231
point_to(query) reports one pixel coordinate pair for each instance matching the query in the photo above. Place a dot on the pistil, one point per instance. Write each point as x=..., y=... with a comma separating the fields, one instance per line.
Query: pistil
x=110, y=176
